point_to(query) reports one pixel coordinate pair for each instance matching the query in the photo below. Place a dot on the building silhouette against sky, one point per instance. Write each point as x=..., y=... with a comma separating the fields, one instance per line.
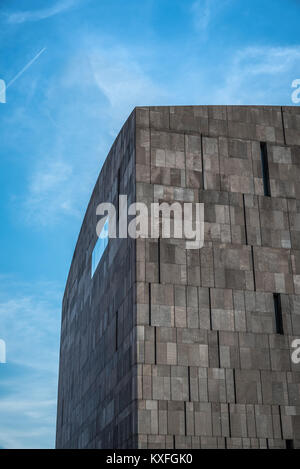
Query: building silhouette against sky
x=164, y=347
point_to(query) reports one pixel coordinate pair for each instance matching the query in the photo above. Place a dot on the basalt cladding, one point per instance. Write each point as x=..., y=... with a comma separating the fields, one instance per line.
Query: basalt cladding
x=168, y=347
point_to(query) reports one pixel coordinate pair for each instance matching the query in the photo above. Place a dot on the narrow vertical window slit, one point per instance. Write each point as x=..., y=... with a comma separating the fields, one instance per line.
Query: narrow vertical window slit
x=234, y=385
x=278, y=313
x=265, y=168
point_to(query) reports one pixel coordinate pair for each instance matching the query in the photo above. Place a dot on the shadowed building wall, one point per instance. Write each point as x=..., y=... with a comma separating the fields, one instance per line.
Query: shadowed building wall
x=166, y=347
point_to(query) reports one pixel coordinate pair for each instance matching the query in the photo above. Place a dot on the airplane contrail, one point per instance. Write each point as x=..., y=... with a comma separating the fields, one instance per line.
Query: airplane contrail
x=26, y=67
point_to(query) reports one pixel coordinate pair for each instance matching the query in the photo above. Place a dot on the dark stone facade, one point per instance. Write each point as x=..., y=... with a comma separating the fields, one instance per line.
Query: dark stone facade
x=172, y=348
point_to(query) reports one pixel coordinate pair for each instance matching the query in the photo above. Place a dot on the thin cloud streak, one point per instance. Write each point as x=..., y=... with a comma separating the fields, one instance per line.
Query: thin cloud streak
x=54, y=191
x=108, y=83
x=121, y=78
x=255, y=75
x=201, y=11
x=25, y=68
x=37, y=15
x=60, y=185
x=27, y=320
x=204, y=13
x=30, y=318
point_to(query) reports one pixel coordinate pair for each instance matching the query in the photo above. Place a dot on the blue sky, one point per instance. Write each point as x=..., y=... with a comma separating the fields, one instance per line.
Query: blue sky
x=99, y=59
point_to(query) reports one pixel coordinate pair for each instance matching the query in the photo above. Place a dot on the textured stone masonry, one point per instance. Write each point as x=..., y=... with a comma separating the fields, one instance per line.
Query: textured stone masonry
x=172, y=348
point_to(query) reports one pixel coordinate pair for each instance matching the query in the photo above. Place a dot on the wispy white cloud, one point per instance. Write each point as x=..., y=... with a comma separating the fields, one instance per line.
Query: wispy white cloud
x=51, y=192
x=100, y=85
x=117, y=73
x=122, y=79
x=255, y=75
x=269, y=60
x=12, y=438
x=30, y=318
x=50, y=176
x=25, y=67
x=28, y=412
x=201, y=11
x=204, y=12
x=31, y=408
x=102, y=82
x=41, y=14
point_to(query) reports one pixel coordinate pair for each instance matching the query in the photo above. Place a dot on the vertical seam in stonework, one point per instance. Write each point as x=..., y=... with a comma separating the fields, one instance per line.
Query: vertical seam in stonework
x=219, y=354
x=234, y=384
x=290, y=253
x=209, y=305
x=155, y=344
x=252, y=169
x=158, y=255
x=202, y=161
x=189, y=382
x=226, y=109
x=142, y=388
x=253, y=268
x=280, y=421
x=291, y=269
x=229, y=208
x=260, y=227
x=233, y=304
x=245, y=308
x=175, y=326
x=186, y=268
x=245, y=220
x=207, y=390
x=176, y=336
x=213, y=258
x=185, y=423
x=185, y=301
x=260, y=384
x=254, y=419
x=149, y=303
x=289, y=222
x=283, y=128
x=220, y=189
x=229, y=420
x=239, y=348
